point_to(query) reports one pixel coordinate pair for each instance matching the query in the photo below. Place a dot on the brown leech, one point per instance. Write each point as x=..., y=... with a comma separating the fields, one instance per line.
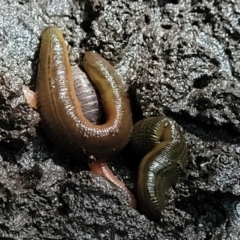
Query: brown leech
x=163, y=146
x=61, y=113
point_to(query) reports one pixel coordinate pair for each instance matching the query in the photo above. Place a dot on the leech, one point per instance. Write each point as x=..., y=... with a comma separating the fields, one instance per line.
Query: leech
x=161, y=143
x=64, y=117
x=103, y=169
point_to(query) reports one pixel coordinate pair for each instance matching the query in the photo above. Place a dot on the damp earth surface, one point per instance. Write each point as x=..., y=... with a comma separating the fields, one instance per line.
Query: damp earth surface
x=181, y=58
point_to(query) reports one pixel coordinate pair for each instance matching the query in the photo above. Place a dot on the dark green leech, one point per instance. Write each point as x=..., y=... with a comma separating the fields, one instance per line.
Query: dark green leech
x=165, y=150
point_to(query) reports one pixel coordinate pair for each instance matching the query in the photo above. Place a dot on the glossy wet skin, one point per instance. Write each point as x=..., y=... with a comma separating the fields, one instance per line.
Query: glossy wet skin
x=161, y=142
x=158, y=139
x=61, y=112
x=64, y=109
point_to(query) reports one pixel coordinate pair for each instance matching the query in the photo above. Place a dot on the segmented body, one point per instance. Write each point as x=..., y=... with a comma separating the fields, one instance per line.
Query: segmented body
x=61, y=112
x=70, y=115
x=163, y=146
x=87, y=96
